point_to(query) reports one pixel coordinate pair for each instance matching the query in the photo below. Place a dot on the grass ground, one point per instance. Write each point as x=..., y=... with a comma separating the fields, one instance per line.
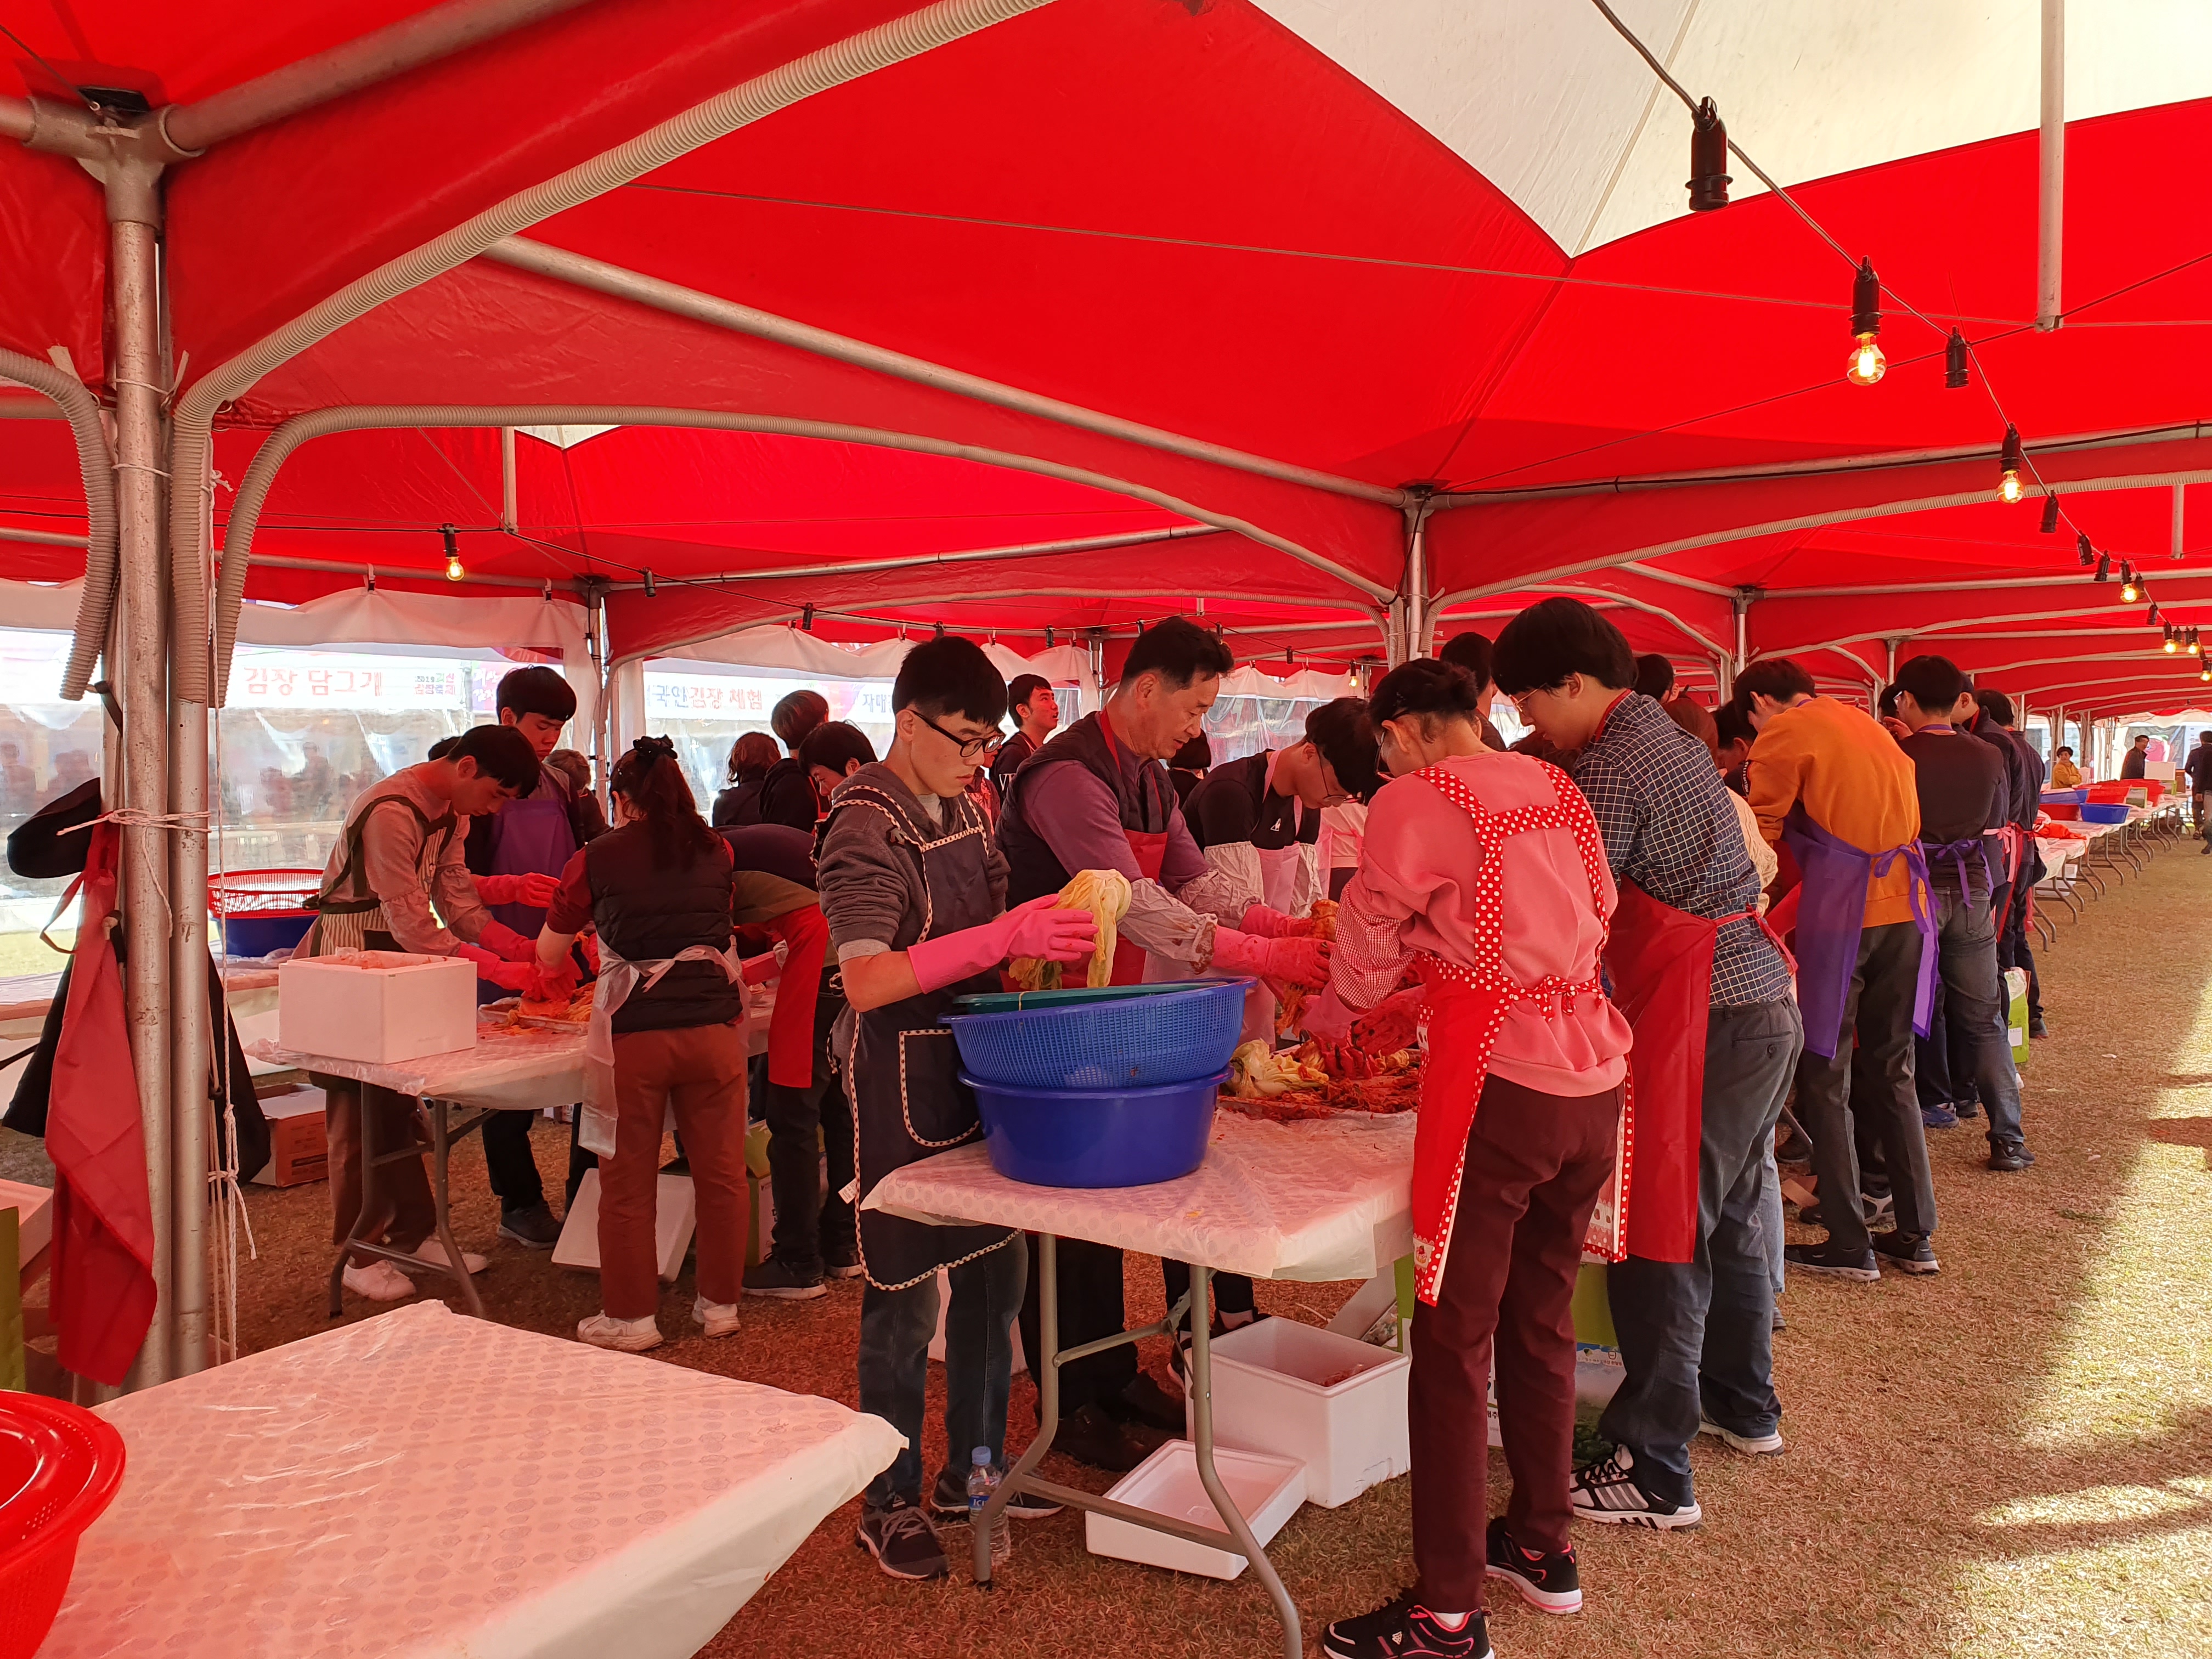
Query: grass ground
x=2008, y=1460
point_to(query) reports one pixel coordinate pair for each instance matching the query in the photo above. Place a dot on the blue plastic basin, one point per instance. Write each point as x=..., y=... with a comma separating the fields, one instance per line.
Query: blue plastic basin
x=2100, y=812
x=1097, y=1138
x=1179, y=1033
x=256, y=934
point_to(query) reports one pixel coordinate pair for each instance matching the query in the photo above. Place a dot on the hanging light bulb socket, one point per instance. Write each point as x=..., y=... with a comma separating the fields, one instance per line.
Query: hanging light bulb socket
x=1709, y=160
x=453, y=571
x=2154, y=617
x=1955, y=361
x=2088, y=554
x=2050, y=515
x=2173, y=645
x=2104, y=567
x=2130, y=591
x=2009, y=488
x=1867, y=364
x=806, y=617
x=649, y=588
x=1048, y=639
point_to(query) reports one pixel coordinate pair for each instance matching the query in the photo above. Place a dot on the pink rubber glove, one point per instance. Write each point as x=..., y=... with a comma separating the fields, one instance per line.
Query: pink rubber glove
x=497, y=971
x=1260, y=922
x=1293, y=961
x=504, y=942
x=762, y=968
x=1391, y=1024
x=1040, y=928
x=499, y=890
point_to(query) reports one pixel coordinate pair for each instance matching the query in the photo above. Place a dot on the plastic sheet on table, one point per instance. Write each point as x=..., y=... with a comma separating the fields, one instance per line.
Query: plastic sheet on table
x=511, y=1066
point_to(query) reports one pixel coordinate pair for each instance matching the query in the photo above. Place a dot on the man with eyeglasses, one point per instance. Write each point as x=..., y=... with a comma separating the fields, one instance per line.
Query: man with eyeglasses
x=1098, y=796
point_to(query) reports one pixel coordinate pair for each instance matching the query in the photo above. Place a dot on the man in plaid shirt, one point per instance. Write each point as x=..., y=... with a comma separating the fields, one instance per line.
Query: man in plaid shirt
x=1696, y=1336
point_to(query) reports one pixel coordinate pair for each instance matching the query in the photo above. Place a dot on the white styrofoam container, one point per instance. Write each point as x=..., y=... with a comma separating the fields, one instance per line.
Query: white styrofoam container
x=675, y=1217
x=34, y=1217
x=1272, y=1393
x=1267, y=1491
x=376, y=1005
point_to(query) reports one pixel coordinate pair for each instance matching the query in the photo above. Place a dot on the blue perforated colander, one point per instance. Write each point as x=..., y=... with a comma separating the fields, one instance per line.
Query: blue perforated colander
x=1176, y=1034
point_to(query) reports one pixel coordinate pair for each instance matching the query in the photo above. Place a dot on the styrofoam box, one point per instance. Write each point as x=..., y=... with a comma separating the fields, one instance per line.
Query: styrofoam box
x=34, y=1217
x=1267, y=1491
x=1272, y=1394
x=376, y=1005
x=675, y=1215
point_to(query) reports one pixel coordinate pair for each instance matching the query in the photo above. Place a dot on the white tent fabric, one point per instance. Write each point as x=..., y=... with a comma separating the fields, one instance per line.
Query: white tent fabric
x=1593, y=148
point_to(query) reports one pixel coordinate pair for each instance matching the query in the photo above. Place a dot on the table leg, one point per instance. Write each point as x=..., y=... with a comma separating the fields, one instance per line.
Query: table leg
x=441, y=1147
x=367, y=1158
x=1201, y=1397
x=1045, y=1368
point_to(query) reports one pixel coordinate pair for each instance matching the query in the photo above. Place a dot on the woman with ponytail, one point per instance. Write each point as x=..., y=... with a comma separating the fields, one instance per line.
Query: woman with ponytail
x=668, y=1029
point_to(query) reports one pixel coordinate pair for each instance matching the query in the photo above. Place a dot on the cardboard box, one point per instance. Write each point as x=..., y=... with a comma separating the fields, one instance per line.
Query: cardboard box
x=34, y=1217
x=376, y=1005
x=299, y=1143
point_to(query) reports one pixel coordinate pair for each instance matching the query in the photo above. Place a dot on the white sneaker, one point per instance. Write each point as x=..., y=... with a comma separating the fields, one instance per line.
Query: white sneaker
x=721, y=1318
x=379, y=1281
x=1758, y=1445
x=432, y=1253
x=627, y=1335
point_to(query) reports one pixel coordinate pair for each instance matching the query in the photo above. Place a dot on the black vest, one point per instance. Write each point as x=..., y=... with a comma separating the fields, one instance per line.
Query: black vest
x=1147, y=804
x=645, y=914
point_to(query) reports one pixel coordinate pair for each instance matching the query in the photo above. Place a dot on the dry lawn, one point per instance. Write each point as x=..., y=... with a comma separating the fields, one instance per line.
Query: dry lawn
x=2004, y=1460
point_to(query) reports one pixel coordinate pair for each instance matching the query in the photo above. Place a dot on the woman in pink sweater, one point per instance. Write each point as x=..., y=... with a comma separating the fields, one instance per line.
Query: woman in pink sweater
x=1482, y=873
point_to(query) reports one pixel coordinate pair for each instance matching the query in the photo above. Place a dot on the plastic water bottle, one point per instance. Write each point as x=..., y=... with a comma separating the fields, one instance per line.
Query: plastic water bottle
x=983, y=1477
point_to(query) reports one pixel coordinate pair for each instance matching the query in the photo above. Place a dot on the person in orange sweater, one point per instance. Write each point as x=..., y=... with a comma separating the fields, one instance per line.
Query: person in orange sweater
x=1835, y=787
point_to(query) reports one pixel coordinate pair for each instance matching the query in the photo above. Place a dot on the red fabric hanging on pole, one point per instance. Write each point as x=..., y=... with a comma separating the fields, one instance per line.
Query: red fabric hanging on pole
x=103, y=1270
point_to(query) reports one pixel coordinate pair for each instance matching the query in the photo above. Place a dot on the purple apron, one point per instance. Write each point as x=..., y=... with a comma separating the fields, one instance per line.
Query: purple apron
x=1831, y=916
x=1933, y=852
x=530, y=838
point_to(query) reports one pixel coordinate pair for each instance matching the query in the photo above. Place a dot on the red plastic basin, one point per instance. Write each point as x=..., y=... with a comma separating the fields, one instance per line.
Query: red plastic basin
x=59, y=1468
x=2063, y=809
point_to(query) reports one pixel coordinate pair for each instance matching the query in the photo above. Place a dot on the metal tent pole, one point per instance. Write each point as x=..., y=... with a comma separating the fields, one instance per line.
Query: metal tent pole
x=192, y=1025
x=141, y=464
x=2051, y=155
x=1741, y=602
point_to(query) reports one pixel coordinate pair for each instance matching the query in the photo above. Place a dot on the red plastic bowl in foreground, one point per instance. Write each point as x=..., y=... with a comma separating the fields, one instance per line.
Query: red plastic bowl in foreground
x=59, y=1468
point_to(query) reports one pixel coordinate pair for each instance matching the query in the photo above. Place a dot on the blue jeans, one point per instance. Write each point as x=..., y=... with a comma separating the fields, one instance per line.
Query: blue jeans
x=896, y=1327
x=1697, y=1337
x=1973, y=1006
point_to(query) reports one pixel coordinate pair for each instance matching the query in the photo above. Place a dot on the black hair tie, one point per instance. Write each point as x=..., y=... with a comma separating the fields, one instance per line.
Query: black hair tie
x=648, y=750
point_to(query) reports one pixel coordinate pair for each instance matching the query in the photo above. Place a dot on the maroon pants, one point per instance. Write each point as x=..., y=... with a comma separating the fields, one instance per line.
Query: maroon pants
x=1535, y=1165
x=699, y=1071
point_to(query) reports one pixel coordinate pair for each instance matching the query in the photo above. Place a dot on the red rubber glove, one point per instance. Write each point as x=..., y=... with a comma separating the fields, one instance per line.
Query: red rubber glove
x=552, y=984
x=538, y=889
x=504, y=942
x=1262, y=923
x=497, y=971
x=499, y=890
x=1390, y=1024
x=759, y=970
x=1293, y=961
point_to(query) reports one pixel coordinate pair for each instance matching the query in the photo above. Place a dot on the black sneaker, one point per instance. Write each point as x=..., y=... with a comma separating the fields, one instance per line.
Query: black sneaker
x=780, y=1278
x=2009, y=1156
x=1833, y=1259
x=1098, y=1442
x=842, y=1262
x=902, y=1540
x=1909, y=1253
x=1545, y=1580
x=948, y=1501
x=1146, y=1402
x=1404, y=1629
x=2036, y=1029
x=1966, y=1108
x=1608, y=1491
x=533, y=1228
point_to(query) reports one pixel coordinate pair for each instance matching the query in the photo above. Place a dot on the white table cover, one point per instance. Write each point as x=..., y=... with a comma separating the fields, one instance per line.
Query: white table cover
x=424, y=1483
x=1318, y=1201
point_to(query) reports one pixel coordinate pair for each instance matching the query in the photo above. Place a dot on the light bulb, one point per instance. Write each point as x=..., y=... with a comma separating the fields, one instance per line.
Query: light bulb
x=2172, y=645
x=453, y=572
x=1868, y=365
x=2009, y=490
x=2128, y=591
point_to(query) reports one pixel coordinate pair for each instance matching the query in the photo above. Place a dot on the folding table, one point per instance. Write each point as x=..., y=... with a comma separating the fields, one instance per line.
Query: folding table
x=1316, y=1201
x=422, y=1483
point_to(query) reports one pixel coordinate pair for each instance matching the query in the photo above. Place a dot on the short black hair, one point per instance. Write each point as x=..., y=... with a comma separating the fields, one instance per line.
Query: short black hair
x=1197, y=755
x=1777, y=677
x=1179, y=651
x=500, y=752
x=1934, y=681
x=2067, y=748
x=1732, y=725
x=1022, y=687
x=1886, y=704
x=1470, y=653
x=951, y=676
x=1345, y=736
x=1997, y=708
x=1557, y=637
x=1655, y=676
x=1423, y=686
x=797, y=713
x=537, y=690
x=444, y=746
x=832, y=744
x=2141, y=736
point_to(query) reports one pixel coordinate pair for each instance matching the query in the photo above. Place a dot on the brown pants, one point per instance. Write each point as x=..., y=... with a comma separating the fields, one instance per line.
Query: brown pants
x=1535, y=1165
x=700, y=1070
x=405, y=1215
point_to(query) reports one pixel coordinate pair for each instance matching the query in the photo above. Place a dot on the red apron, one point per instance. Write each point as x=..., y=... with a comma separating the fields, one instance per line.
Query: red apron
x=1465, y=1007
x=799, y=987
x=1150, y=849
x=1662, y=963
x=103, y=1238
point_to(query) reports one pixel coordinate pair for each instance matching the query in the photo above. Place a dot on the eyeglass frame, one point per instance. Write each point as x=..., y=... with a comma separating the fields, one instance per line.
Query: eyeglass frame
x=969, y=750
